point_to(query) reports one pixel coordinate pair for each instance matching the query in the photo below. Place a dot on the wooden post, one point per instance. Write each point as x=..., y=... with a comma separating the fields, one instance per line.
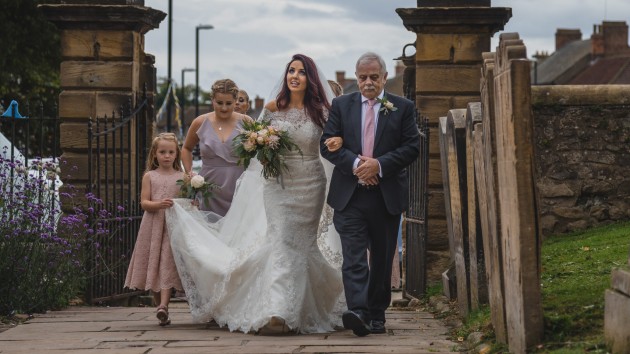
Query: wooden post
x=520, y=229
x=454, y=167
x=486, y=175
x=449, y=282
x=477, y=276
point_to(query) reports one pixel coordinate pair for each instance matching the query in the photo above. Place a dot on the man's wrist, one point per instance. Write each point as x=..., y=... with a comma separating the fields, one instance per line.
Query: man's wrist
x=356, y=163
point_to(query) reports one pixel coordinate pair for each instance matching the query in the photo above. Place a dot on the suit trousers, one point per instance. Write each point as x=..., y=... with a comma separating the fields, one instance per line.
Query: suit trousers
x=366, y=224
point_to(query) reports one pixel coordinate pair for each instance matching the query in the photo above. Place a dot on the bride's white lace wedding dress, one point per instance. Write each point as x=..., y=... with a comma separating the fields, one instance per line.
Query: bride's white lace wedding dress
x=265, y=258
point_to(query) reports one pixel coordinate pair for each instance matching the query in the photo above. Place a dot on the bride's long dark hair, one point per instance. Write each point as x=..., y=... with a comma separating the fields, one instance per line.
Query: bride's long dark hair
x=315, y=98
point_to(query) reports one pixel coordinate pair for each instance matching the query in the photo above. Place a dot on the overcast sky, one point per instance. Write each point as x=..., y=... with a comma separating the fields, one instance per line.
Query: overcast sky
x=252, y=40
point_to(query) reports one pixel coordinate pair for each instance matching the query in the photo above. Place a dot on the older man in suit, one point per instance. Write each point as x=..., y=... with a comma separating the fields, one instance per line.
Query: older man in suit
x=369, y=187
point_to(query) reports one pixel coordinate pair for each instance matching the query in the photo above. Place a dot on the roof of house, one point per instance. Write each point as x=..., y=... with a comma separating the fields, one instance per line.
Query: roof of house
x=557, y=68
x=605, y=71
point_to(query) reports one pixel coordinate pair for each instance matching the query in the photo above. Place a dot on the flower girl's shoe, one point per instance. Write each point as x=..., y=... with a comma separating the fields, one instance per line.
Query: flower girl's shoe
x=162, y=316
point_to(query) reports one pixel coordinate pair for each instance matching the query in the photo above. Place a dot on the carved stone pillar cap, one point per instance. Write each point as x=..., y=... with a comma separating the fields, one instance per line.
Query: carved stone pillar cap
x=473, y=19
x=453, y=3
x=105, y=2
x=104, y=17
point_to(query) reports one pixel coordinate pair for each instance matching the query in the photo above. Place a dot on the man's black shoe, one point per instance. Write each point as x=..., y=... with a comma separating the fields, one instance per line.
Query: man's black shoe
x=378, y=327
x=352, y=320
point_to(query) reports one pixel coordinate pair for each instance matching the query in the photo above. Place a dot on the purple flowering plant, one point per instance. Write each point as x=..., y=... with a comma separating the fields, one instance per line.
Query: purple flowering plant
x=42, y=249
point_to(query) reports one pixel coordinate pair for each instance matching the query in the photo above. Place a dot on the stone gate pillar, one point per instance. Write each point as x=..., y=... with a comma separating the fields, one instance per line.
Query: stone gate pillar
x=451, y=37
x=103, y=67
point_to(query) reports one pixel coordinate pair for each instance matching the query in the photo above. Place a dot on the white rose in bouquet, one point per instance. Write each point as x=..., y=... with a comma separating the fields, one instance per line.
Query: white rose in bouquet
x=197, y=181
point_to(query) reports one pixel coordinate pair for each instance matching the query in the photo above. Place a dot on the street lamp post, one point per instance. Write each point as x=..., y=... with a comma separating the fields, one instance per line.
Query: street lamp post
x=200, y=27
x=184, y=98
x=170, y=50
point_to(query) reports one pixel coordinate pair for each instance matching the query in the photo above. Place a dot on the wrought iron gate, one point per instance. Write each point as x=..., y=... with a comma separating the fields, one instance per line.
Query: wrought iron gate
x=117, y=153
x=415, y=260
x=416, y=217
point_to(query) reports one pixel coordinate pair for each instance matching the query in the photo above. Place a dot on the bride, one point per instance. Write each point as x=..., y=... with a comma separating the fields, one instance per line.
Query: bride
x=272, y=261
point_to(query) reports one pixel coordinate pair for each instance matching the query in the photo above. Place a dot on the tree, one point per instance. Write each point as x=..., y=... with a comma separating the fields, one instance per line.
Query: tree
x=31, y=54
x=29, y=73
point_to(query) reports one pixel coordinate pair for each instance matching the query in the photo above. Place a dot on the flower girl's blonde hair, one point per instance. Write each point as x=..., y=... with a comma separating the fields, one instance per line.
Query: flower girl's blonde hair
x=152, y=162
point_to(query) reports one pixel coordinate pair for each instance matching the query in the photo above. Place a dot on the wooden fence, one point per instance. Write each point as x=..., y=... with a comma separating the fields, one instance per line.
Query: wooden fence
x=487, y=153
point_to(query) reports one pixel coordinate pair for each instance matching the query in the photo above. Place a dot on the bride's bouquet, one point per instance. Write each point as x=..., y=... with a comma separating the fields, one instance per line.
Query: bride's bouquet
x=265, y=142
x=192, y=186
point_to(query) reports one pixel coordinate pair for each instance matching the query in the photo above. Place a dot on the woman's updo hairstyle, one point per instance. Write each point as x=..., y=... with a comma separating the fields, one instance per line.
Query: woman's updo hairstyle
x=224, y=86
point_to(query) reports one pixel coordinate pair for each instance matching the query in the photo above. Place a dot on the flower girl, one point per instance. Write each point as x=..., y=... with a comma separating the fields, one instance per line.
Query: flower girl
x=152, y=266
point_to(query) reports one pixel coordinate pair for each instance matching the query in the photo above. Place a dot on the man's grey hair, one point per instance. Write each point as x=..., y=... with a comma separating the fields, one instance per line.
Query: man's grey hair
x=371, y=56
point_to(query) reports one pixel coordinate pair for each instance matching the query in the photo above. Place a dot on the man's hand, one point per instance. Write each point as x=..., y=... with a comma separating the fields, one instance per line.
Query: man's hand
x=367, y=169
x=371, y=181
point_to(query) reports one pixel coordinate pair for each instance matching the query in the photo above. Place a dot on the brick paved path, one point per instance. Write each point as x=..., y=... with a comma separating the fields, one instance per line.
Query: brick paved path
x=123, y=330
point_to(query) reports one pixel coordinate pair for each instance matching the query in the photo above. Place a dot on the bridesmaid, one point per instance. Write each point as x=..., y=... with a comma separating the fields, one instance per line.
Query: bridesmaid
x=214, y=132
x=242, y=102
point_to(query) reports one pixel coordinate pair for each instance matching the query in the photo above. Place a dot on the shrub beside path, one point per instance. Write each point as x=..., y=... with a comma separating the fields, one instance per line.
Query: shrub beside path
x=132, y=330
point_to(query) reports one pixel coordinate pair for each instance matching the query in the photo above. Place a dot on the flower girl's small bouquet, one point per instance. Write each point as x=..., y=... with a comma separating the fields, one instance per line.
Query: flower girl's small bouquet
x=265, y=142
x=192, y=186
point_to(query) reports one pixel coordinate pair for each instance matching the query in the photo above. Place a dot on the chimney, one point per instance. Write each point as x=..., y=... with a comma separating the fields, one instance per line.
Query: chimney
x=597, y=41
x=340, y=77
x=259, y=103
x=541, y=56
x=400, y=68
x=565, y=36
x=615, y=35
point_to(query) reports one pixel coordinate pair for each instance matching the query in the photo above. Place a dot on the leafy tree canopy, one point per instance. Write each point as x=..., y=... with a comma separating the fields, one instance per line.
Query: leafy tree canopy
x=31, y=54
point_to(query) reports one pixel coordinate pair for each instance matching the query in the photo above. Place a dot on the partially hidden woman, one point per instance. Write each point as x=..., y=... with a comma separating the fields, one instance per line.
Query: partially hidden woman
x=242, y=102
x=214, y=132
x=260, y=267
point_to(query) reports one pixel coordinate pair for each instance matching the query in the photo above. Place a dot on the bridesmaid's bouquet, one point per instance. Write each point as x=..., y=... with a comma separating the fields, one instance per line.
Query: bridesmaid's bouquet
x=192, y=186
x=263, y=141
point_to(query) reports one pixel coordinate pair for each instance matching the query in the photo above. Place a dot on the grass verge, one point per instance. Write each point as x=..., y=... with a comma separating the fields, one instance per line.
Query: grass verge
x=576, y=270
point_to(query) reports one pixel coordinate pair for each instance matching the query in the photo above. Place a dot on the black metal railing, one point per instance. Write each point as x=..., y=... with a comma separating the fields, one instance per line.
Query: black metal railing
x=30, y=139
x=117, y=153
x=416, y=217
x=31, y=132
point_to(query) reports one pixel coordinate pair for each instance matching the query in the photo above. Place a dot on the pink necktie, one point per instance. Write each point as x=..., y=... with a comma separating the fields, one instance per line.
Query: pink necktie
x=368, y=129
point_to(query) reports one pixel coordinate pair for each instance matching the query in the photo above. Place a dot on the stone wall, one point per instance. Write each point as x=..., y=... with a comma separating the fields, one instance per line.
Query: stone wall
x=582, y=136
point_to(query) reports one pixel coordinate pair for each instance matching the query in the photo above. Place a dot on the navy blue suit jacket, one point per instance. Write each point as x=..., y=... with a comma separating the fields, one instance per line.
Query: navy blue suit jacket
x=396, y=145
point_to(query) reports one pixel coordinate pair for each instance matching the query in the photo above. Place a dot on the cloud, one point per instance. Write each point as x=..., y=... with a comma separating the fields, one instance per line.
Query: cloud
x=252, y=40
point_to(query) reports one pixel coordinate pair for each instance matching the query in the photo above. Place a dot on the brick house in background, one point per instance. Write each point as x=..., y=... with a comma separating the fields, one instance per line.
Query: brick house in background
x=602, y=59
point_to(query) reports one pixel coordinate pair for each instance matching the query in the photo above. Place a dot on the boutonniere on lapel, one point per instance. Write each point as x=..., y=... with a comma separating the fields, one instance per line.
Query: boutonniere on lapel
x=386, y=106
